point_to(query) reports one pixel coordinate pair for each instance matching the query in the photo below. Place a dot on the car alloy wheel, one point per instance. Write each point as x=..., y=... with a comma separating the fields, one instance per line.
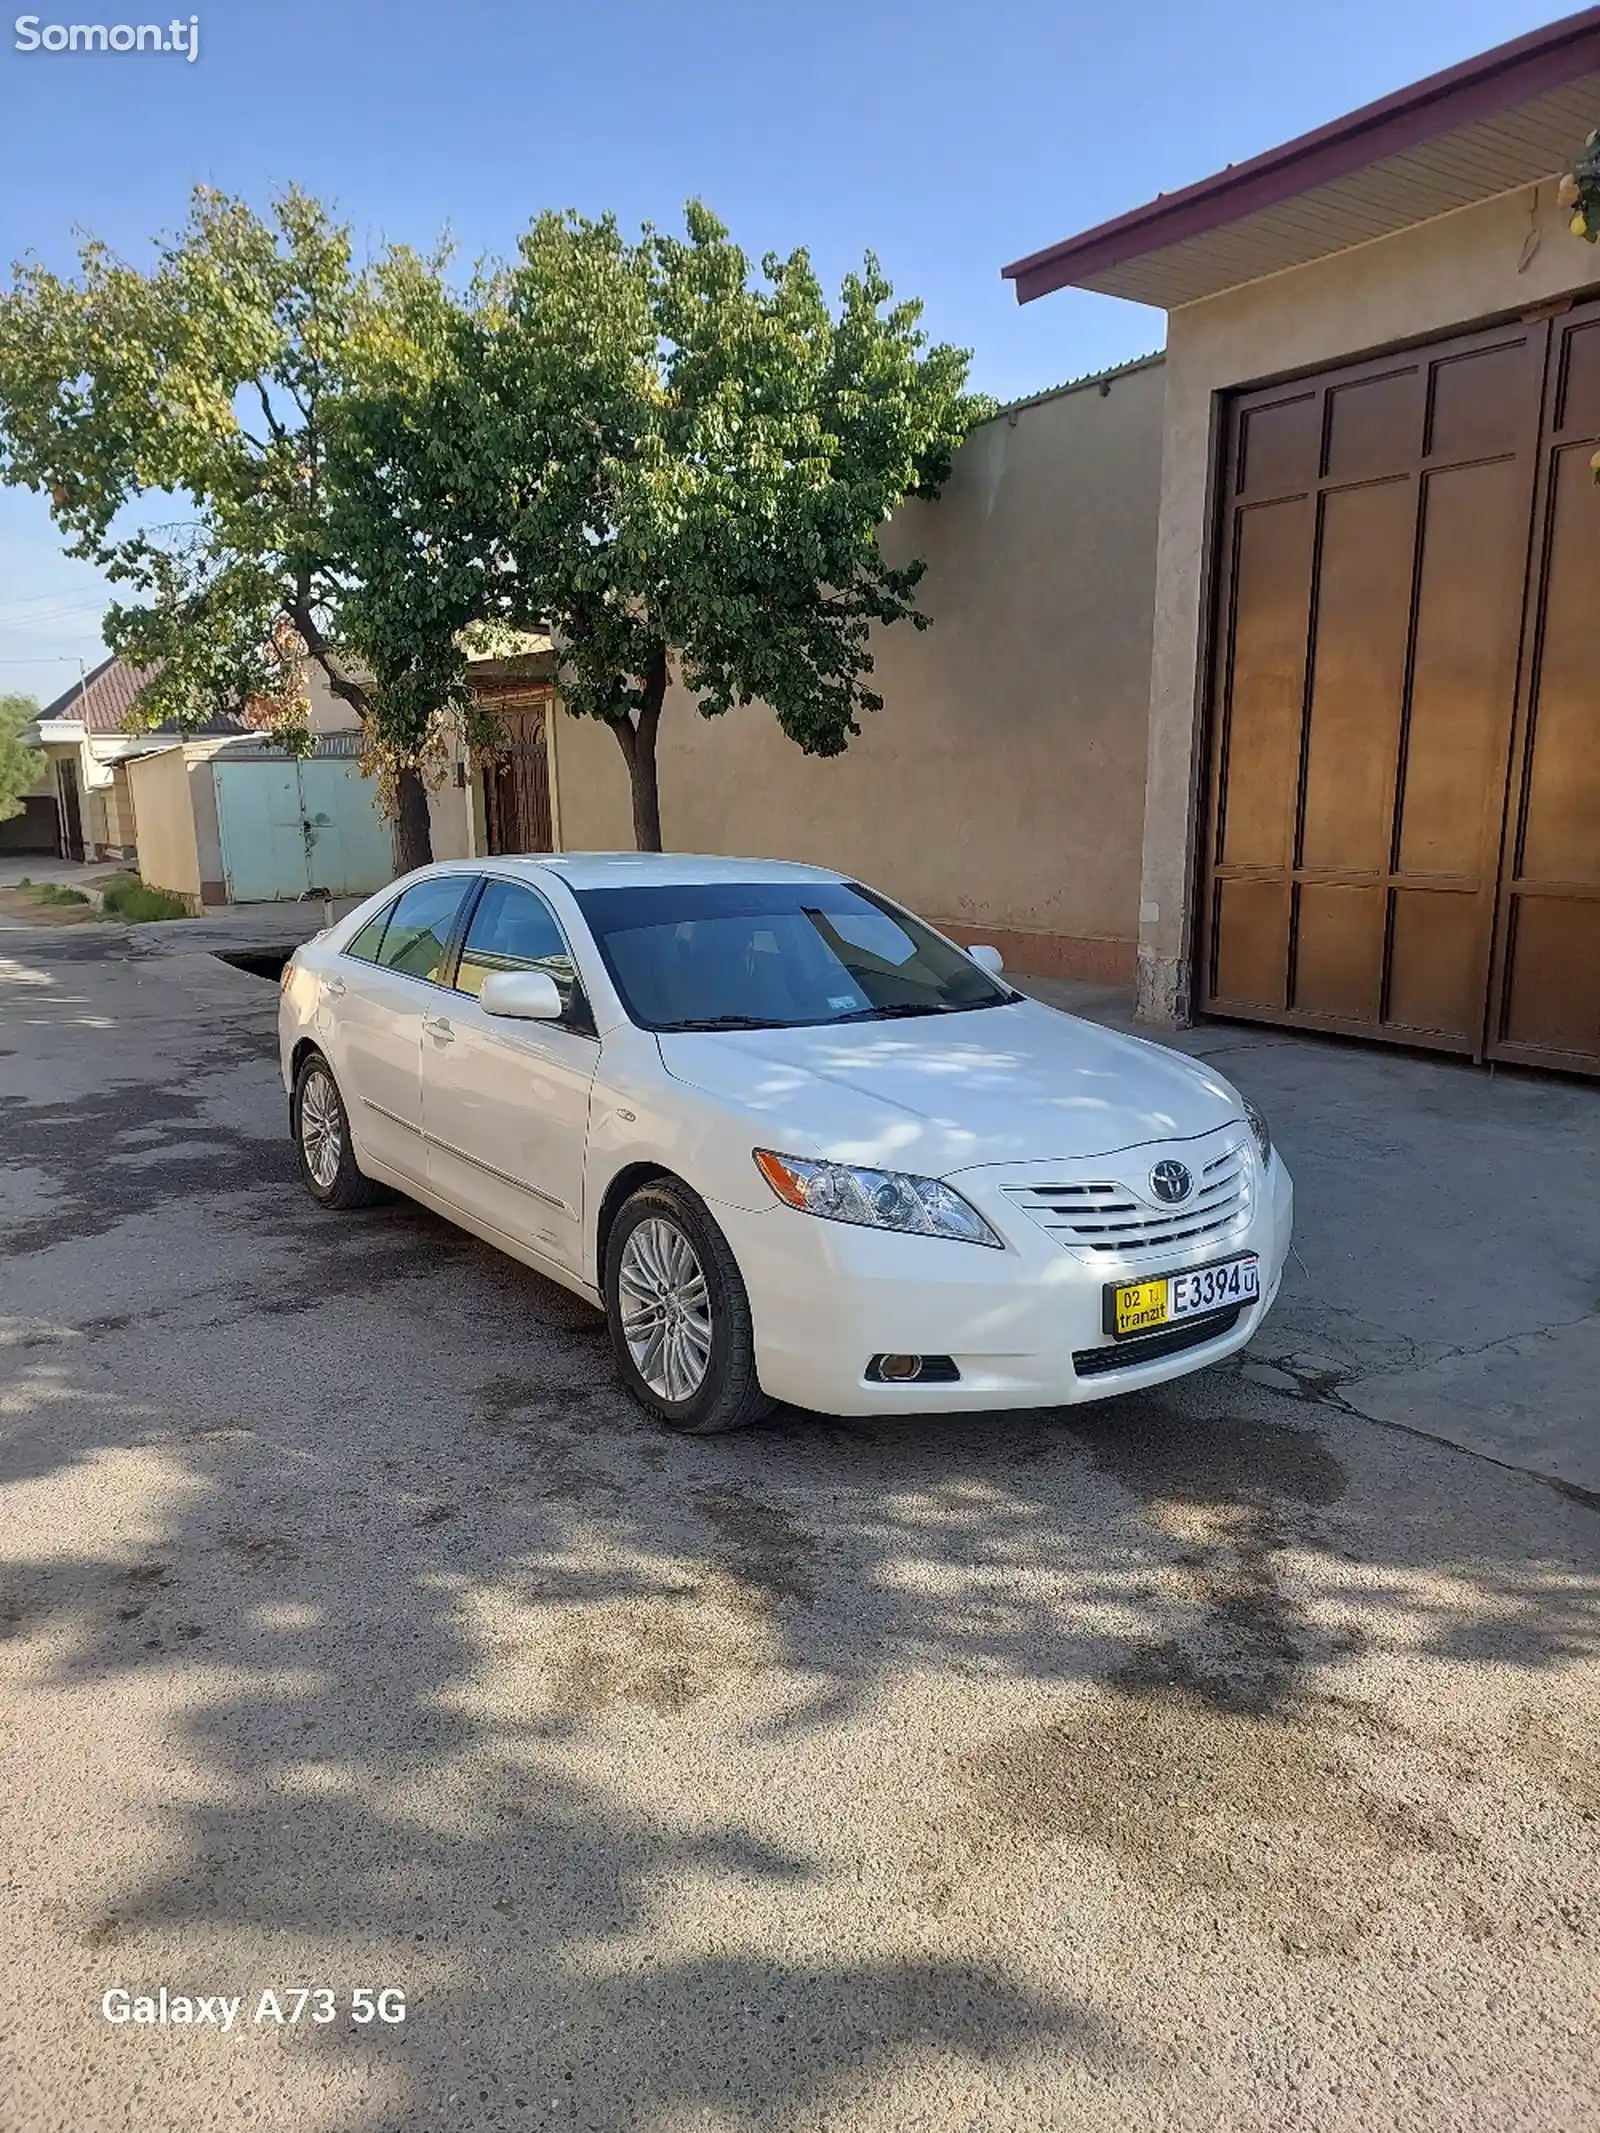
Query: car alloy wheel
x=666, y=1309
x=321, y=1128
x=319, y=1125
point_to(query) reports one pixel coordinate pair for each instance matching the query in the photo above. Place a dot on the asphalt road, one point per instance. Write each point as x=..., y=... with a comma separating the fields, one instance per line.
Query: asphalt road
x=1216, y=1759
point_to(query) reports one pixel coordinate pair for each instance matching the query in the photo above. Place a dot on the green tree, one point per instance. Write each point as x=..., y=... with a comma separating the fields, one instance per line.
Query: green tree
x=180, y=421
x=19, y=765
x=667, y=461
x=644, y=448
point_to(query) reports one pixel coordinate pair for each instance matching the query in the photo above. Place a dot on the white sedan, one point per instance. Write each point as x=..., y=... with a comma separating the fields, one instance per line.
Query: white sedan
x=795, y=1144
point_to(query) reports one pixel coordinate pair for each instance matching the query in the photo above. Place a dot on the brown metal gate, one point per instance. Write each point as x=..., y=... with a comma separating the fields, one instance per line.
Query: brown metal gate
x=1403, y=840
x=516, y=785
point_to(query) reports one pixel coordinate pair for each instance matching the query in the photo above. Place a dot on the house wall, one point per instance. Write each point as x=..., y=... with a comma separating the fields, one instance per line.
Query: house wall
x=451, y=820
x=1001, y=788
x=168, y=858
x=197, y=762
x=328, y=713
x=96, y=828
x=121, y=832
x=1502, y=257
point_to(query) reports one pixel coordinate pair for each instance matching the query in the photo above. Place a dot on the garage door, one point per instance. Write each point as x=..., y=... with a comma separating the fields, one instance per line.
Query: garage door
x=291, y=829
x=1403, y=839
x=35, y=828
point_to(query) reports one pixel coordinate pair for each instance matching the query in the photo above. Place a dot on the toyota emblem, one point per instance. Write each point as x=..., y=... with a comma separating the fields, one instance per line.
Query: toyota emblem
x=1171, y=1182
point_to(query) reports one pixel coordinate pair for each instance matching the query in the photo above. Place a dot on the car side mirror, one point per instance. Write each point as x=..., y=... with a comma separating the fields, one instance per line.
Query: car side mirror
x=521, y=996
x=989, y=959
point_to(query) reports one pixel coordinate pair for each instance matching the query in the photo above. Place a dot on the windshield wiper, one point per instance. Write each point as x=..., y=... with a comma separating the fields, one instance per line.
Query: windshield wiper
x=911, y=1007
x=667, y=1029
x=893, y=1013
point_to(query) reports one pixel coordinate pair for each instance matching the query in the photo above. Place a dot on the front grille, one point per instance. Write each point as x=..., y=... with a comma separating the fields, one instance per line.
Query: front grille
x=1111, y=1218
x=1147, y=1347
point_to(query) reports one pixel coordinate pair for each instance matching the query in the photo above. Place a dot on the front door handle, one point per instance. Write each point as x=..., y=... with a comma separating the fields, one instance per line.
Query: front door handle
x=438, y=1028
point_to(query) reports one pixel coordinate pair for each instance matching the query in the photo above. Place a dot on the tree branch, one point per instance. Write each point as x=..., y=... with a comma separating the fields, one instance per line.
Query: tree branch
x=279, y=433
x=299, y=611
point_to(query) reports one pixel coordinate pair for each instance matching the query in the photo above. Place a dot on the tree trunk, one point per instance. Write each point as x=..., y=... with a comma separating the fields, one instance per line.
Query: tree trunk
x=646, y=797
x=637, y=740
x=415, y=832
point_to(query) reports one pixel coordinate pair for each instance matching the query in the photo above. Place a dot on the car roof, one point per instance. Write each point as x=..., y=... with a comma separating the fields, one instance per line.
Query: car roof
x=620, y=870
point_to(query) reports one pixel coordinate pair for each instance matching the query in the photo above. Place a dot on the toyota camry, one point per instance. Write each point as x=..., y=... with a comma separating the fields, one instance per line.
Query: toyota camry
x=794, y=1142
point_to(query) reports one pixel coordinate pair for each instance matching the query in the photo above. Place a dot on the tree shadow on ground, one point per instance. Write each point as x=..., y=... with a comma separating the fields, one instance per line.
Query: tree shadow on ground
x=466, y=1665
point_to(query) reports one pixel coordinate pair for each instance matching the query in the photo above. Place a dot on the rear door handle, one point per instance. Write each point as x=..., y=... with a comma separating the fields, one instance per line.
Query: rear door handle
x=335, y=988
x=436, y=1026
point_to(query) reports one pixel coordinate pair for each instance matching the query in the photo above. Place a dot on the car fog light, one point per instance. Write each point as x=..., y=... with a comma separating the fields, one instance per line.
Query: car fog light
x=913, y=1370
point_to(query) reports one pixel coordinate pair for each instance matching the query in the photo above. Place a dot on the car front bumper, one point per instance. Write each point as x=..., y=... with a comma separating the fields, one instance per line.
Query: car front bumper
x=827, y=1297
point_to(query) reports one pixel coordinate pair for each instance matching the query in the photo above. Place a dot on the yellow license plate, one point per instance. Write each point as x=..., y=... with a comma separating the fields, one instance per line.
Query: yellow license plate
x=1140, y=1305
x=1172, y=1299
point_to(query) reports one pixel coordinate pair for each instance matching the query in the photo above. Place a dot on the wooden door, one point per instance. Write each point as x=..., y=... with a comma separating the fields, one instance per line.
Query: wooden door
x=71, y=814
x=1375, y=535
x=516, y=786
x=1546, y=995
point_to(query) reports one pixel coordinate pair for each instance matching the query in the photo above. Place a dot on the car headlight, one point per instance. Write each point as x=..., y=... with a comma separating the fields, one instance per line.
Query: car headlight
x=874, y=1199
x=1259, y=1127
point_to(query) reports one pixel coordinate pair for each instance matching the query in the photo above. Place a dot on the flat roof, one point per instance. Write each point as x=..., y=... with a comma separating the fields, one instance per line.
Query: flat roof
x=1507, y=118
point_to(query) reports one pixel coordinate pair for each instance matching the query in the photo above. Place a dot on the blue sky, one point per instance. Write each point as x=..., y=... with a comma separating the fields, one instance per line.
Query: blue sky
x=950, y=136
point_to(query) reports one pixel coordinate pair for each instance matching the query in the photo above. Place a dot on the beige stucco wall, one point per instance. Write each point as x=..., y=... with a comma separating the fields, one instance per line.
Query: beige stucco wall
x=121, y=831
x=168, y=858
x=451, y=821
x=327, y=713
x=1460, y=270
x=1001, y=788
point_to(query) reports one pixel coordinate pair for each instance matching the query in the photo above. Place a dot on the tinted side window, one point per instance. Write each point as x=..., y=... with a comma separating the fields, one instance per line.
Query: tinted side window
x=420, y=925
x=514, y=929
x=364, y=945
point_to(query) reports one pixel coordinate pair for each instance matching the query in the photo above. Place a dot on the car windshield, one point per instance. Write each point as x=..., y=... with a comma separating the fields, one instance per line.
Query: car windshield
x=776, y=955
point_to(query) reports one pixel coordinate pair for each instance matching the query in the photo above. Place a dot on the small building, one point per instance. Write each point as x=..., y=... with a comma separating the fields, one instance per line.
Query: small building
x=85, y=737
x=1372, y=789
x=231, y=819
x=217, y=814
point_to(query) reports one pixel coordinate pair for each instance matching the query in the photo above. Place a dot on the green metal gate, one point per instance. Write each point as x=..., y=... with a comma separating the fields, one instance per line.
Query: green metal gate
x=291, y=829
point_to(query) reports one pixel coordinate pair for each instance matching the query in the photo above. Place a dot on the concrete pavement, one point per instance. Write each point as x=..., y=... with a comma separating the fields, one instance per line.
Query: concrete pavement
x=18, y=867
x=1213, y=1760
x=1447, y=1276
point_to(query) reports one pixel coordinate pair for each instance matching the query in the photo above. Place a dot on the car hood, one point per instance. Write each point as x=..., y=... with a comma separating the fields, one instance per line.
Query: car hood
x=1015, y=1084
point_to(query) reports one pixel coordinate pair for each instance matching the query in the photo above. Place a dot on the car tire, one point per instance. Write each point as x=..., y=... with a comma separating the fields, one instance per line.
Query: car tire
x=321, y=1128
x=664, y=1253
